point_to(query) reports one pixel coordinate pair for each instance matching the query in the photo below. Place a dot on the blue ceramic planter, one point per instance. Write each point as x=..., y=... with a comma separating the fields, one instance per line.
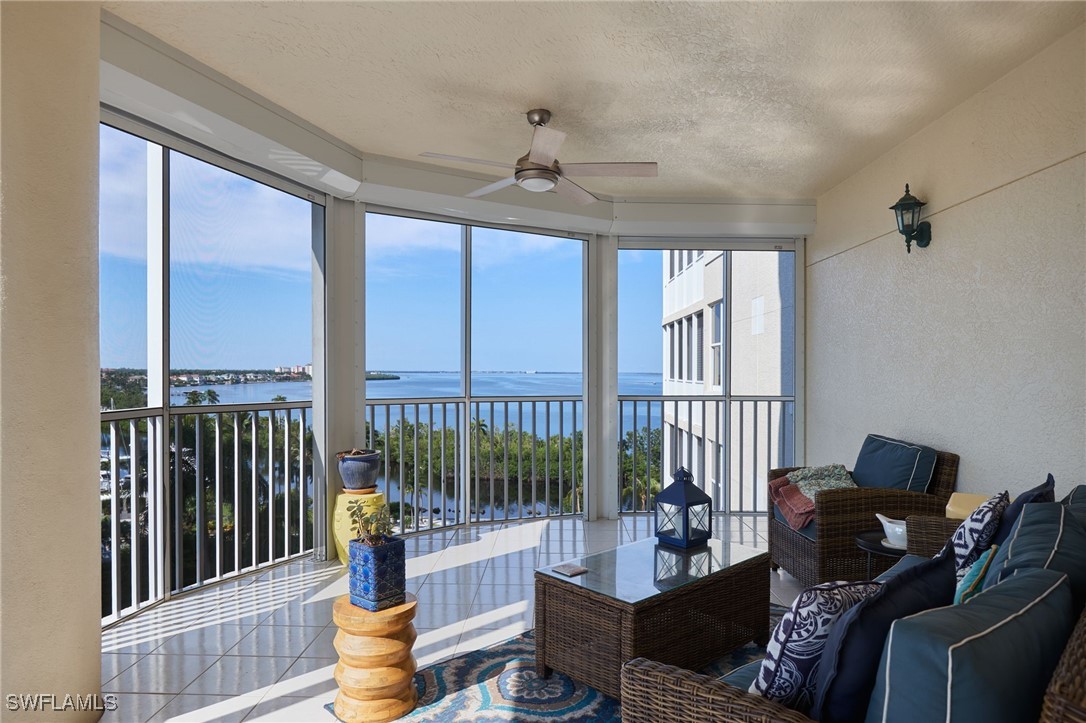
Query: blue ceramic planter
x=378, y=574
x=359, y=471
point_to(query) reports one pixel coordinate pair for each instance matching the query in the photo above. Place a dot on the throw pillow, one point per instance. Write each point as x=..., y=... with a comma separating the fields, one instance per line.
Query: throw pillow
x=1044, y=492
x=787, y=674
x=1045, y=535
x=893, y=464
x=846, y=673
x=973, y=581
x=975, y=534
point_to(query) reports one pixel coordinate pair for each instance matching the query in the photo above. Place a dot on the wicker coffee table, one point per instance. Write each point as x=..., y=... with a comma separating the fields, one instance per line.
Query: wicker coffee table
x=637, y=601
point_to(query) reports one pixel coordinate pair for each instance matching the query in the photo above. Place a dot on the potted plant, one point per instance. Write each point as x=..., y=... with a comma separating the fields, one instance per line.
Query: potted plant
x=376, y=563
x=358, y=469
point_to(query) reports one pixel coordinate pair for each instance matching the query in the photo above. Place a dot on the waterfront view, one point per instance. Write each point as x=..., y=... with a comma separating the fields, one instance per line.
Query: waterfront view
x=428, y=385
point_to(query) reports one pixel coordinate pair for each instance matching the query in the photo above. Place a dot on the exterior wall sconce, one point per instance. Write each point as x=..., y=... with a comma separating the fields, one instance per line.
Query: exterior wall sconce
x=909, y=225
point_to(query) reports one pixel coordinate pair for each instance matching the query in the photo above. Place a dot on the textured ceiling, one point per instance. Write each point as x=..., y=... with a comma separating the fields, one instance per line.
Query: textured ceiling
x=734, y=100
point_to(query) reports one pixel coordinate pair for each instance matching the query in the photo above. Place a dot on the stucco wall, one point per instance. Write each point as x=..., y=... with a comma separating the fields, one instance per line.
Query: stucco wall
x=50, y=561
x=976, y=344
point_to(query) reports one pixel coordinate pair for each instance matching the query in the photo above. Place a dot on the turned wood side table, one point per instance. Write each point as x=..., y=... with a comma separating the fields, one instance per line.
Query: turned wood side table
x=376, y=666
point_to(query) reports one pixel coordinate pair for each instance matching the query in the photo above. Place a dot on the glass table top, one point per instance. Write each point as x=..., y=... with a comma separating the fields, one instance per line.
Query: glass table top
x=645, y=568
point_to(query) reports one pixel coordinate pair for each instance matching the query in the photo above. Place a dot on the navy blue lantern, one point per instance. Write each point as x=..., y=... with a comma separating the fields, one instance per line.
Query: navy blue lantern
x=683, y=512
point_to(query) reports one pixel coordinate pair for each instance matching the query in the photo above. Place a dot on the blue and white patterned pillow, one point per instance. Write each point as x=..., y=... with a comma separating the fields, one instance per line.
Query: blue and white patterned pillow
x=795, y=649
x=975, y=534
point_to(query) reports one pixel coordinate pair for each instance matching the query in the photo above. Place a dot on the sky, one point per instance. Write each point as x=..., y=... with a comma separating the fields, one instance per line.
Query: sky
x=241, y=281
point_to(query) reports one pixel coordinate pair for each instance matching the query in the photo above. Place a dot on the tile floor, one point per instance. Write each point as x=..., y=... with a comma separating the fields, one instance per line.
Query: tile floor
x=259, y=648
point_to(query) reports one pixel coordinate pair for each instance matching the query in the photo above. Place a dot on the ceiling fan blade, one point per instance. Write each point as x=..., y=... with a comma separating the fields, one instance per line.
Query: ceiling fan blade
x=545, y=144
x=496, y=186
x=568, y=189
x=609, y=169
x=464, y=159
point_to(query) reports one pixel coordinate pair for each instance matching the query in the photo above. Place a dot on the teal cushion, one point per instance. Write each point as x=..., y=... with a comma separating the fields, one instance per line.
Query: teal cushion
x=901, y=566
x=743, y=676
x=987, y=660
x=1077, y=496
x=1076, y=503
x=893, y=464
x=807, y=531
x=1046, y=535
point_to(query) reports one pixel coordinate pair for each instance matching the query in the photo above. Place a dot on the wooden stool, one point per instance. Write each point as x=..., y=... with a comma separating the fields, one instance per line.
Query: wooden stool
x=376, y=668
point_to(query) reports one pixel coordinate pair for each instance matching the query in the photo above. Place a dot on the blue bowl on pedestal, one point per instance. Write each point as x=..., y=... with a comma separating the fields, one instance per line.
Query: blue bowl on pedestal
x=358, y=468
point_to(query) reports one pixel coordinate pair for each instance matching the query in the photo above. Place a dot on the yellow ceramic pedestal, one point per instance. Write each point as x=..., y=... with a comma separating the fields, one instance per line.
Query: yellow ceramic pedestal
x=341, y=521
x=376, y=666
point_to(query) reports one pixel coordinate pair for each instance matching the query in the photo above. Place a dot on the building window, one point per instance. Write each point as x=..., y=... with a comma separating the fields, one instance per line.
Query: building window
x=689, y=321
x=679, y=347
x=757, y=315
x=669, y=331
x=717, y=324
x=671, y=265
x=699, y=323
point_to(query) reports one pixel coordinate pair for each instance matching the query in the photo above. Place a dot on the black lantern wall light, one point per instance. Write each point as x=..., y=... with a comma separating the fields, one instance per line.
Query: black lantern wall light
x=909, y=225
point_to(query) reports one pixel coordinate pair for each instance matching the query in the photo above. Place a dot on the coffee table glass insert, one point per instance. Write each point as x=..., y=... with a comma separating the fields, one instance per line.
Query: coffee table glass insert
x=649, y=600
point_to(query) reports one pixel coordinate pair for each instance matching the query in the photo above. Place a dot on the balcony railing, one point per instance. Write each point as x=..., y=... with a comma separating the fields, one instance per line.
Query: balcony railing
x=213, y=492
x=510, y=458
x=728, y=444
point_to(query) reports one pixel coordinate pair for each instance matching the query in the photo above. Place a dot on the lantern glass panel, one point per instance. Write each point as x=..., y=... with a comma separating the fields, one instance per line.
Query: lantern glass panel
x=901, y=220
x=669, y=520
x=699, y=520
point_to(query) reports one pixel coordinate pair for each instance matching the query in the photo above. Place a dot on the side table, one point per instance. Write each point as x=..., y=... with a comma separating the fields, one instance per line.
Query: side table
x=376, y=666
x=871, y=543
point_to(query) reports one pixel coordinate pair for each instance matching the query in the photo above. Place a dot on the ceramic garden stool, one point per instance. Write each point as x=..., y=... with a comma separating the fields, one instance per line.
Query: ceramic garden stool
x=376, y=667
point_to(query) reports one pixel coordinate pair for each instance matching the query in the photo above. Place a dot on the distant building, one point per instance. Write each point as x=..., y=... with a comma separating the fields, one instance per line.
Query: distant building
x=696, y=336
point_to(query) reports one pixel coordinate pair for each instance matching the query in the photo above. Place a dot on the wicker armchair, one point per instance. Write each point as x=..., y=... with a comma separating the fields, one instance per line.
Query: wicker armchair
x=653, y=692
x=842, y=514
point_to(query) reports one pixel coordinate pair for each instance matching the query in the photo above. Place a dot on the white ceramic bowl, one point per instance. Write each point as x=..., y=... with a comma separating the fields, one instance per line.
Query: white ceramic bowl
x=895, y=531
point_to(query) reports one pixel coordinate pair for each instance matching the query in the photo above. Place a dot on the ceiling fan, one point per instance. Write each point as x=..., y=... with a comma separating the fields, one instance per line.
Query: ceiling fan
x=539, y=169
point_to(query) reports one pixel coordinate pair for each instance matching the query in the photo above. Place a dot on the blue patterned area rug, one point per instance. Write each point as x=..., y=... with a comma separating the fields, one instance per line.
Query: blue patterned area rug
x=500, y=684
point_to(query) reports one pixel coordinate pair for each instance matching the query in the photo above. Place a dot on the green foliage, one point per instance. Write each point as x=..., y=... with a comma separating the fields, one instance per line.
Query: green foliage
x=123, y=388
x=370, y=526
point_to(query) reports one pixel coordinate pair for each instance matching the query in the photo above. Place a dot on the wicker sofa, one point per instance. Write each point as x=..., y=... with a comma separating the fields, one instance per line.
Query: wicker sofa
x=841, y=514
x=653, y=692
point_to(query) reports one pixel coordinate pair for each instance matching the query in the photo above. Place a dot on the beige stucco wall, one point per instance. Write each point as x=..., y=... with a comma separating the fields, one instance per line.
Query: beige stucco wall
x=50, y=625
x=976, y=344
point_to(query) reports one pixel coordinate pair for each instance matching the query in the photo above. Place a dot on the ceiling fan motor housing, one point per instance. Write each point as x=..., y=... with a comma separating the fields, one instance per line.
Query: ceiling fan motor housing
x=536, y=179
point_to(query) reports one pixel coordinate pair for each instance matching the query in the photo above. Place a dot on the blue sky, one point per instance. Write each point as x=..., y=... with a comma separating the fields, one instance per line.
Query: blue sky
x=241, y=281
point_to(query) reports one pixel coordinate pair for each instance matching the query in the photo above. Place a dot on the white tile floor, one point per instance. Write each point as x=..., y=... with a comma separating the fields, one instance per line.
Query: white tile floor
x=260, y=647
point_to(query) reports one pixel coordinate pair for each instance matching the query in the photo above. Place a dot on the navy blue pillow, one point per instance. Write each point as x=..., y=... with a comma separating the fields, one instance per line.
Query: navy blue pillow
x=850, y=660
x=1044, y=492
x=893, y=464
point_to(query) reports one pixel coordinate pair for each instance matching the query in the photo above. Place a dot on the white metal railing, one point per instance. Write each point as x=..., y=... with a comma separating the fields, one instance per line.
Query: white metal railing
x=729, y=444
x=201, y=494
x=510, y=458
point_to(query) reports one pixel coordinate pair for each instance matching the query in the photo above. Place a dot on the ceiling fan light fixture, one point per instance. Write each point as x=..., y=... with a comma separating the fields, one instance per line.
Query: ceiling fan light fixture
x=537, y=179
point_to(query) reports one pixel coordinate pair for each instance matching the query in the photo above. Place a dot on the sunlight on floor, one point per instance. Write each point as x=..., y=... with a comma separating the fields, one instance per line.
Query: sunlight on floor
x=260, y=647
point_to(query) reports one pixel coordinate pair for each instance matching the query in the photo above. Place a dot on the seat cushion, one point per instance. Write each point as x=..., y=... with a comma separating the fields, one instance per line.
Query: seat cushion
x=955, y=663
x=846, y=674
x=795, y=648
x=807, y=530
x=1046, y=535
x=743, y=676
x=894, y=464
x=901, y=566
x=1044, y=492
